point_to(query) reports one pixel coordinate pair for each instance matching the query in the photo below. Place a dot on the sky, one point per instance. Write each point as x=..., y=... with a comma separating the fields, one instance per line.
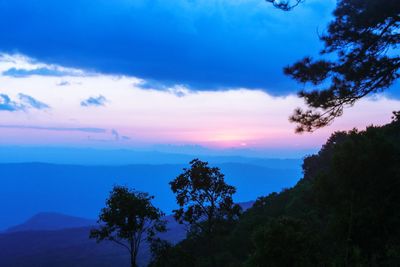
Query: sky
x=139, y=74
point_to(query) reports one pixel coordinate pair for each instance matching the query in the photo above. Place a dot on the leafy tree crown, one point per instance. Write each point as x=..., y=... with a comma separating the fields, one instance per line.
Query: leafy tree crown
x=203, y=197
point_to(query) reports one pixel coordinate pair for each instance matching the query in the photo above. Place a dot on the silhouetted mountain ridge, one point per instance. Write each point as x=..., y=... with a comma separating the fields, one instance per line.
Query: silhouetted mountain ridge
x=88, y=156
x=51, y=221
x=39, y=242
x=82, y=190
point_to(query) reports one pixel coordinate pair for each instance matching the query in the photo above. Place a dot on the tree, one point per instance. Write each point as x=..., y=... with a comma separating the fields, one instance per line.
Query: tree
x=396, y=116
x=285, y=5
x=359, y=193
x=360, y=58
x=128, y=219
x=204, y=199
x=283, y=242
x=165, y=254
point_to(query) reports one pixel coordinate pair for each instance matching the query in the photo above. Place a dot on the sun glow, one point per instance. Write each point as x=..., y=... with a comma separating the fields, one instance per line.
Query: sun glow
x=129, y=115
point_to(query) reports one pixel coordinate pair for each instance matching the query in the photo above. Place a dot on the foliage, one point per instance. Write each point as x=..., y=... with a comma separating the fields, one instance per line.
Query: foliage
x=206, y=207
x=283, y=242
x=128, y=219
x=204, y=199
x=165, y=254
x=360, y=191
x=360, y=57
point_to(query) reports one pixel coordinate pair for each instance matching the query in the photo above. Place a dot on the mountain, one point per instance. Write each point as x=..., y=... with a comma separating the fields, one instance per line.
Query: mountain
x=61, y=248
x=41, y=241
x=51, y=221
x=90, y=156
x=29, y=188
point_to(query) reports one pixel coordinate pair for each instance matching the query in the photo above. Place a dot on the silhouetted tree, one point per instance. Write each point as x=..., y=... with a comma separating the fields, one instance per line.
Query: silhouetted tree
x=396, y=116
x=204, y=199
x=165, y=254
x=359, y=193
x=361, y=58
x=128, y=219
x=285, y=5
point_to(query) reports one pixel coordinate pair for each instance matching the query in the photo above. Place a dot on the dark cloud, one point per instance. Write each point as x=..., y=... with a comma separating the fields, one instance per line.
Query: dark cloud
x=204, y=44
x=32, y=102
x=94, y=101
x=58, y=129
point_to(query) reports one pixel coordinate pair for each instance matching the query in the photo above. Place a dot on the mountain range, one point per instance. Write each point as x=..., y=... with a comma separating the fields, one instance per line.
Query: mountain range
x=47, y=239
x=53, y=239
x=29, y=188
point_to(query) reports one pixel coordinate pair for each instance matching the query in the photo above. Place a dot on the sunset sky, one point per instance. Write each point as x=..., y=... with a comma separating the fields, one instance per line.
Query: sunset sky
x=136, y=74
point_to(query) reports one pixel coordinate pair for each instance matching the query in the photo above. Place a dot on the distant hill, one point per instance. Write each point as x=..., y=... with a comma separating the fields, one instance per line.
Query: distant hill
x=90, y=156
x=70, y=247
x=51, y=221
x=29, y=188
x=61, y=248
x=41, y=242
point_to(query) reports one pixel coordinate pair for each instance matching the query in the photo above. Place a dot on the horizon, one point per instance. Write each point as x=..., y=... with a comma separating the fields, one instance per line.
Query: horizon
x=124, y=94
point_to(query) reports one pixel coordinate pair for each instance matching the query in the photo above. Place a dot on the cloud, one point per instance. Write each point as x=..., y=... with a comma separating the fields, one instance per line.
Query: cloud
x=32, y=102
x=58, y=129
x=63, y=83
x=118, y=137
x=26, y=102
x=22, y=73
x=205, y=44
x=225, y=118
x=175, y=89
x=153, y=85
x=94, y=101
x=179, y=91
x=115, y=134
x=6, y=104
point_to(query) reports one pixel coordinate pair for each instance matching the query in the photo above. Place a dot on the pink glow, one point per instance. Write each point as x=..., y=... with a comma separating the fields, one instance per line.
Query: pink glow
x=237, y=118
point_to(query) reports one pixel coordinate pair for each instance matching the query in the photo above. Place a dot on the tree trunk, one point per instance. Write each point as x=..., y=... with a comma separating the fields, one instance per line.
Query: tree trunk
x=133, y=259
x=349, y=231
